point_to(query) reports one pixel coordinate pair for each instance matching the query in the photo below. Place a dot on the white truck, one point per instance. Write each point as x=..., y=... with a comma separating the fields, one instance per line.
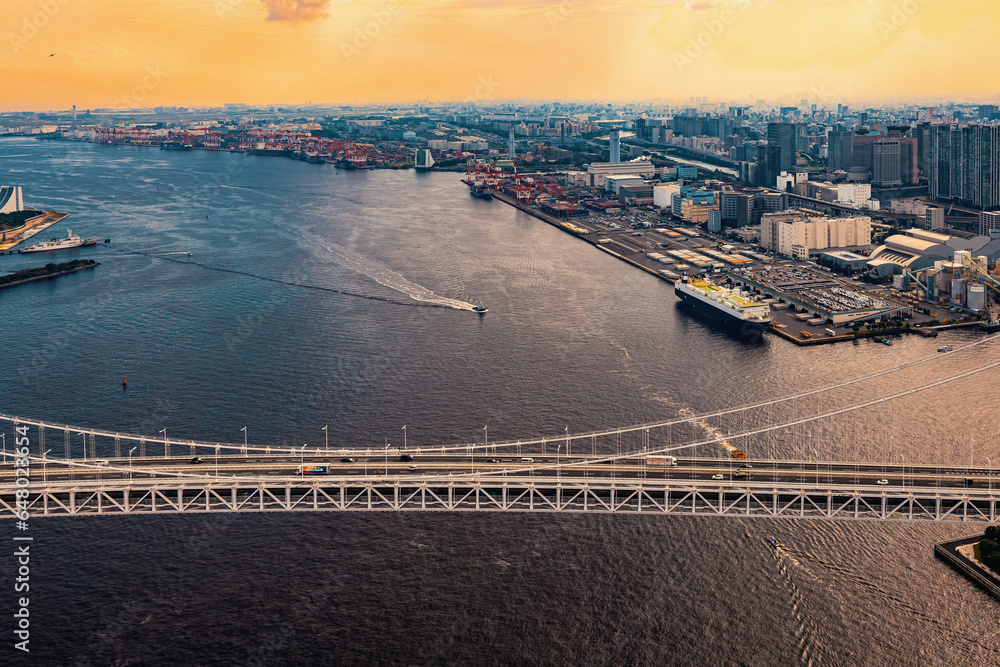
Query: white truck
x=661, y=460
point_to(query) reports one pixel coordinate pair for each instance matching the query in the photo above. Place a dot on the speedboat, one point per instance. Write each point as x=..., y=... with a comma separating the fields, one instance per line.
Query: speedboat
x=773, y=541
x=481, y=309
x=946, y=348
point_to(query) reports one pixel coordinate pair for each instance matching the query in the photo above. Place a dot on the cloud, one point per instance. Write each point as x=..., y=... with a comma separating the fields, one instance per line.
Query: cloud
x=296, y=10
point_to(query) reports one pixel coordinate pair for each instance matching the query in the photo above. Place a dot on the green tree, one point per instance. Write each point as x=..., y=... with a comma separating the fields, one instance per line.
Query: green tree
x=988, y=548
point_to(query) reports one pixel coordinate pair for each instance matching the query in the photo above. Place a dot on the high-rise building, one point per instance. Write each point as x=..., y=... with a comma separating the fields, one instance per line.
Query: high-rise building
x=423, y=159
x=965, y=164
x=768, y=166
x=885, y=163
x=841, y=150
x=784, y=136
x=616, y=146
x=909, y=160
x=739, y=209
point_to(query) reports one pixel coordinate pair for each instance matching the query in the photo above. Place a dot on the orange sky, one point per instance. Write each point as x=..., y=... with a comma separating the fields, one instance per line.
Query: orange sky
x=123, y=53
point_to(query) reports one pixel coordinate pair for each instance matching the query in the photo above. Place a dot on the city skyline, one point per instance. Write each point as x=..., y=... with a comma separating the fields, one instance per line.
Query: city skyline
x=123, y=53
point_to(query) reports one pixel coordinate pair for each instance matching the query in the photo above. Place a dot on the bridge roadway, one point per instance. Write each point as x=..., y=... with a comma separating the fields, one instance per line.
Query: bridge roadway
x=450, y=482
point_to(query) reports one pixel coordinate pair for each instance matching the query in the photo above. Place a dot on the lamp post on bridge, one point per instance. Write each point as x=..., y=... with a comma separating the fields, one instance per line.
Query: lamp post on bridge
x=326, y=439
x=44, y=458
x=558, y=470
x=3, y=437
x=386, y=471
x=130, y=462
x=816, y=454
x=244, y=429
x=989, y=474
x=903, y=459
x=216, y=460
x=972, y=443
x=404, y=437
x=166, y=445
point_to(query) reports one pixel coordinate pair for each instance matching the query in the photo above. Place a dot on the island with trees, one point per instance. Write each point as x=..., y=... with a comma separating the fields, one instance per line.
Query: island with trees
x=45, y=272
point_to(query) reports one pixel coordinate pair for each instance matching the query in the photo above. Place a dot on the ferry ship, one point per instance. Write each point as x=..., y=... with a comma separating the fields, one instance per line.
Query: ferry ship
x=71, y=241
x=730, y=306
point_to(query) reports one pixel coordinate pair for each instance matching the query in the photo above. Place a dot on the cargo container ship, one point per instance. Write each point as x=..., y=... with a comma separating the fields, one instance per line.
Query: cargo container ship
x=729, y=306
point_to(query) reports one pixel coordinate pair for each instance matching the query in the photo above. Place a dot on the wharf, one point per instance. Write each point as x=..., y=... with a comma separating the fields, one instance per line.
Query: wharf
x=953, y=552
x=635, y=249
x=556, y=222
x=30, y=228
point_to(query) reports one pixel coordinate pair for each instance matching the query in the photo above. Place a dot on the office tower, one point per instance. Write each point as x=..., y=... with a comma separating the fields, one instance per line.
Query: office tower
x=782, y=135
x=841, y=150
x=616, y=146
x=885, y=163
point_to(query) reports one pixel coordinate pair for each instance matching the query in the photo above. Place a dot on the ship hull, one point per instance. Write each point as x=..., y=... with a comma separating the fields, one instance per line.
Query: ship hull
x=730, y=321
x=27, y=251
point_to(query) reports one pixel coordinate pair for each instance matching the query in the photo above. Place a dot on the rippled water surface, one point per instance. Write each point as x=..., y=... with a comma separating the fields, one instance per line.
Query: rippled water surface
x=313, y=297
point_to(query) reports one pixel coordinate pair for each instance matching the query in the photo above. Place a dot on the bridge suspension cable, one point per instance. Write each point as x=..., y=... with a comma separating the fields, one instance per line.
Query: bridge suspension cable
x=603, y=459
x=257, y=449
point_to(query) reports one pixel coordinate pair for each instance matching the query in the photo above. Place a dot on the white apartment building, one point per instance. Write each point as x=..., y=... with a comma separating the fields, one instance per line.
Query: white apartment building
x=854, y=194
x=791, y=234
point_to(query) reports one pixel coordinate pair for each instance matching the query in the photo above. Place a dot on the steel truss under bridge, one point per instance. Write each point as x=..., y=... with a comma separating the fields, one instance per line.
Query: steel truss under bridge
x=593, y=496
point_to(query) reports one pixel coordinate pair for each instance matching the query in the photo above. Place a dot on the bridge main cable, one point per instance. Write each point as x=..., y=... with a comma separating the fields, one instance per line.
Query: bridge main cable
x=257, y=449
x=595, y=460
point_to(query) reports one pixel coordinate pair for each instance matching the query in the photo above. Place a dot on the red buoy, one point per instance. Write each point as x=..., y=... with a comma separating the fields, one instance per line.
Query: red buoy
x=124, y=381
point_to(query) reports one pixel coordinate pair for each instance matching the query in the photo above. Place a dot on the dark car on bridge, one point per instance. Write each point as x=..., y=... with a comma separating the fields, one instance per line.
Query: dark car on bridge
x=405, y=457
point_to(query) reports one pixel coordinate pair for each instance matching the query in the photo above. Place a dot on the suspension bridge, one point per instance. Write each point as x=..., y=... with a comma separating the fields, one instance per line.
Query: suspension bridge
x=738, y=461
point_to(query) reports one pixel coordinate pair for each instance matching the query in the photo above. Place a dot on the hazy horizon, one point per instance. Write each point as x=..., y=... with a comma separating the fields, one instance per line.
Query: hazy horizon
x=125, y=53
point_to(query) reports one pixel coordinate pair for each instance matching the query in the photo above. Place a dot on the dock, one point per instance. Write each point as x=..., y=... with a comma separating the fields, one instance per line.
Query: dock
x=643, y=252
x=557, y=223
x=34, y=226
x=956, y=554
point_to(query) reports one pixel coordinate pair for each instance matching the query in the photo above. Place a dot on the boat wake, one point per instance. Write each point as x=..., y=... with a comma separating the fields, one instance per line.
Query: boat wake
x=371, y=297
x=386, y=277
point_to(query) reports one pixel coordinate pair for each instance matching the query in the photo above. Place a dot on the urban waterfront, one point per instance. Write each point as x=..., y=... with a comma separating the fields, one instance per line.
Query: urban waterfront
x=315, y=297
